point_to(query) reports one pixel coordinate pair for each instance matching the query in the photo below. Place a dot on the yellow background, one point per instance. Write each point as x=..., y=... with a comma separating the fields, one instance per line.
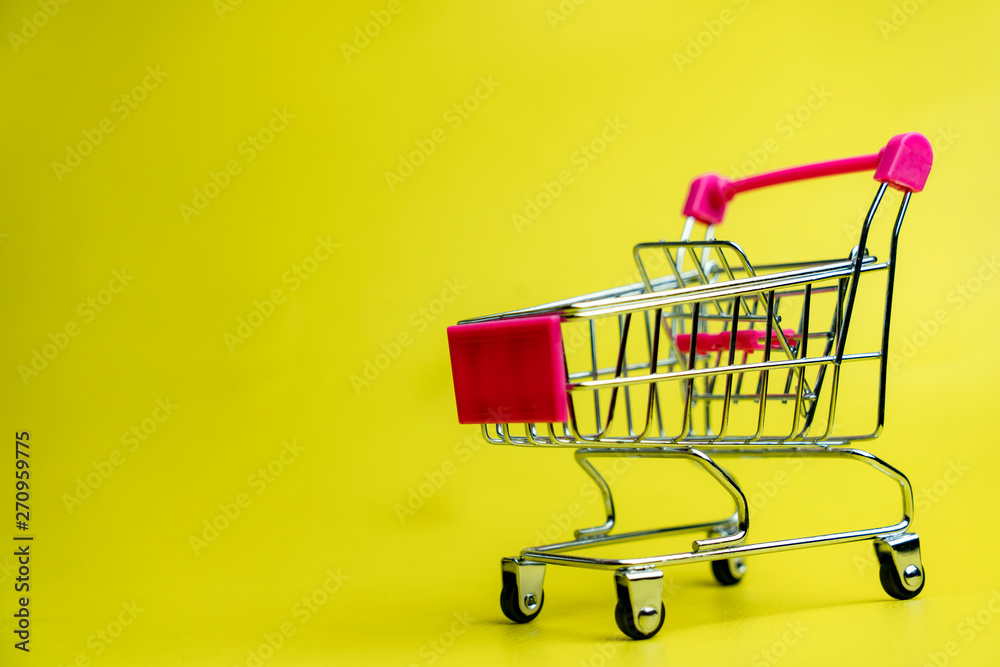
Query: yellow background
x=885, y=68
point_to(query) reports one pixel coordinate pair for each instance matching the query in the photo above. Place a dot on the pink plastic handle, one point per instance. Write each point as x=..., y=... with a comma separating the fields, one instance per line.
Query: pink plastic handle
x=904, y=163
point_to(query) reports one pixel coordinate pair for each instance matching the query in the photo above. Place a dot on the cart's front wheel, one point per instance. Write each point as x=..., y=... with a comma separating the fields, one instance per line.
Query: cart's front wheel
x=893, y=585
x=900, y=569
x=521, y=597
x=640, y=610
x=729, y=571
x=510, y=604
x=624, y=619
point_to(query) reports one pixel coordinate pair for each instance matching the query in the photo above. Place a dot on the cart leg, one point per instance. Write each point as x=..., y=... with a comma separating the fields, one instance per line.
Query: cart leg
x=721, y=539
x=739, y=535
x=640, y=611
x=727, y=571
x=609, y=505
x=900, y=570
x=521, y=598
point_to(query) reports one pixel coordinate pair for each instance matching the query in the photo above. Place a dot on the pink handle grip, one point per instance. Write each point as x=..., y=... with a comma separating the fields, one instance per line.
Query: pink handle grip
x=904, y=163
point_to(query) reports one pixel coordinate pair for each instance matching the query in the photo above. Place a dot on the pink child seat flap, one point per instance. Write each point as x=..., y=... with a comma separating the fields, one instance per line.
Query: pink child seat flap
x=509, y=371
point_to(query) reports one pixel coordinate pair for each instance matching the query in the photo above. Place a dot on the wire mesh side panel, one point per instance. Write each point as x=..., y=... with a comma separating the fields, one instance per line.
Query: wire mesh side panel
x=755, y=366
x=709, y=349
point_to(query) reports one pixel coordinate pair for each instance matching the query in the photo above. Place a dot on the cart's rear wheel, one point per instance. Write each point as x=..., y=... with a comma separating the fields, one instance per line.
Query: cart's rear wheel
x=510, y=601
x=729, y=571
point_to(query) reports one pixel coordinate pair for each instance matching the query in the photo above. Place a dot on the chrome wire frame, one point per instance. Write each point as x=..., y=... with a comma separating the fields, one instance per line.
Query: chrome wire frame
x=704, y=286
x=731, y=531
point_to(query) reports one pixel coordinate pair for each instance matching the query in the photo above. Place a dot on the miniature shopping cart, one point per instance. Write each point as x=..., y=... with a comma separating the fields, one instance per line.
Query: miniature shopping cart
x=707, y=357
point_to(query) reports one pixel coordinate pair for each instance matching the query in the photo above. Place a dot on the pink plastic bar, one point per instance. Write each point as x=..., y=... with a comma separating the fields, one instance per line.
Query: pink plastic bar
x=748, y=340
x=509, y=371
x=847, y=165
x=904, y=163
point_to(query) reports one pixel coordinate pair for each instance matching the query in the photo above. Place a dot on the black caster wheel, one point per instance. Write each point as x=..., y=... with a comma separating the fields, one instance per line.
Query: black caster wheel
x=510, y=603
x=893, y=585
x=626, y=622
x=729, y=571
x=899, y=559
